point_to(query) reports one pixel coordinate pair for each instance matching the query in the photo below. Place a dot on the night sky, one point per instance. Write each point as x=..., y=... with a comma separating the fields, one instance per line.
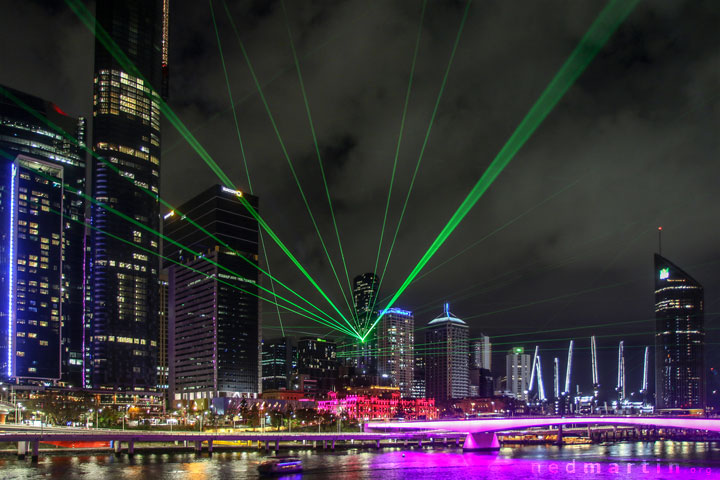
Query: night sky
x=562, y=240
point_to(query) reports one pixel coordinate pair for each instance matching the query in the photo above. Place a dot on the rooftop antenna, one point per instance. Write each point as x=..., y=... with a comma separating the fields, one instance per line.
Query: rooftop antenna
x=660, y=240
x=446, y=307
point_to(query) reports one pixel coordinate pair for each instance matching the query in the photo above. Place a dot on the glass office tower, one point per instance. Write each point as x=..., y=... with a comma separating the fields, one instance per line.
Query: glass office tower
x=123, y=323
x=213, y=309
x=446, y=357
x=679, y=338
x=42, y=252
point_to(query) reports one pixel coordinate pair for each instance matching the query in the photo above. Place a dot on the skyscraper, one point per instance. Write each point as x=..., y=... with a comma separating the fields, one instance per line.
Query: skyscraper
x=213, y=320
x=317, y=358
x=481, y=353
x=364, y=299
x=679, y=338
x=277, y=363
x=42, y=253
x=123, y=327
x=364, y=295
x=517, y=365
x=446, y=360
x=396, y=349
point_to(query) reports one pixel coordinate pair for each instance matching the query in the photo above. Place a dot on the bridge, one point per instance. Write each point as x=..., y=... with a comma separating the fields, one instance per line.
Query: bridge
x=29, y=438
x=481, y=434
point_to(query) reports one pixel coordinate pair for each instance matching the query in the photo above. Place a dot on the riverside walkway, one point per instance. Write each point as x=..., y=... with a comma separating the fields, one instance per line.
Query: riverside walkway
x=28, y=439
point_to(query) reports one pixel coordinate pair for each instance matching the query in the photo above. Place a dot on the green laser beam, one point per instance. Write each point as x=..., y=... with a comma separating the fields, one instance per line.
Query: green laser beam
x=152, y=252
x=87, y=18
x=297, y=264
x=596, y=37
x=399, y=142
x=330, y=41
x=74, y=141
x=425, y=140
x=317, y=150
x=286, y=155
x=139, y=224
x=501, y=227
x=242, y=147
x=102, y=35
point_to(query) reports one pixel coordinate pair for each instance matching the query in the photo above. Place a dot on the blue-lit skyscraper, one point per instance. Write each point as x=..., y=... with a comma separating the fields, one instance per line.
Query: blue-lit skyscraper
x=679, y=338
x=42, y=252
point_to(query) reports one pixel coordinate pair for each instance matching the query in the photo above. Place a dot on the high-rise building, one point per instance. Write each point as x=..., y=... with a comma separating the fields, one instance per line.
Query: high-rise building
x=679, y=338
x=481, y=352
x=213, y=320
x=418, y=388
x=517, y=365
x=317, y=358
x=365, y=291
x=42, y=253
x=446, y=360
x=123, y=327
x=364, y=295
x=277, y=363
x=396, y=349
x=162, y=365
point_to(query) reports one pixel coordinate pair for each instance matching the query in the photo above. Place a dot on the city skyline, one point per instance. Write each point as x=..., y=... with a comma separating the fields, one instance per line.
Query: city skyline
x=530, y=277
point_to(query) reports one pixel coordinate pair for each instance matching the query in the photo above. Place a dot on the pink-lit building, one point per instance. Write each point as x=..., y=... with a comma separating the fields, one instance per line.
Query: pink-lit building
x=360, y=405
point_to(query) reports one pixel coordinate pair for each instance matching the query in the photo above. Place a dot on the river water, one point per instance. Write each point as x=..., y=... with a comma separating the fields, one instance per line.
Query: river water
x=661, y=460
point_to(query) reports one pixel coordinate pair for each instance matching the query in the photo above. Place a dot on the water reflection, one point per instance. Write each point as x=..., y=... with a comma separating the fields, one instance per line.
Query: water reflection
x=667, y=460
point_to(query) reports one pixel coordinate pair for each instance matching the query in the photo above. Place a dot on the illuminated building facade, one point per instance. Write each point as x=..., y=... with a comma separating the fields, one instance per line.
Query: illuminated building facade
x=679, y=338
x=446, y=360
x=123, y=325
x=374, y=406
x=517, y=365
x=317, y=358
x=396, y=349
x=42, y=255
x=213, y=311
x=278, y=360
x=481, y=353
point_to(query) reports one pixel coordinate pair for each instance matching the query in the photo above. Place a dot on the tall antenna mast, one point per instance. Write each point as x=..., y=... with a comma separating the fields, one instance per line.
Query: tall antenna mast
x=660, y=240
x=569, y=367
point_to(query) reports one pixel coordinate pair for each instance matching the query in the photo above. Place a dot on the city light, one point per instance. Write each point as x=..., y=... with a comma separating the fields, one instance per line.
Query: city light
x=12, y=265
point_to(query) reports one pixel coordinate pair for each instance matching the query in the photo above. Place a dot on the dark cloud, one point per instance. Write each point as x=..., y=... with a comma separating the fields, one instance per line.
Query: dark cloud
x=633, y=145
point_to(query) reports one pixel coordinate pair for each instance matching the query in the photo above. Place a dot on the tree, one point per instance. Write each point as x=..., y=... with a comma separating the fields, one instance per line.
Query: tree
x=253, y=416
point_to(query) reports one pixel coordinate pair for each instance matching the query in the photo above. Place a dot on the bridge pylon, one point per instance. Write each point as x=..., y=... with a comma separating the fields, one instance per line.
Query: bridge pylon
x=481, y=441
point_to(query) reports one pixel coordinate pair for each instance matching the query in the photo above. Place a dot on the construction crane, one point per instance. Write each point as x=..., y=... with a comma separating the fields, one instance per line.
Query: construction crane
x=532, y=370
x=569, y=368
x=621, y=373
x=595, y=377
x=644, y=390
x=541, y=387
